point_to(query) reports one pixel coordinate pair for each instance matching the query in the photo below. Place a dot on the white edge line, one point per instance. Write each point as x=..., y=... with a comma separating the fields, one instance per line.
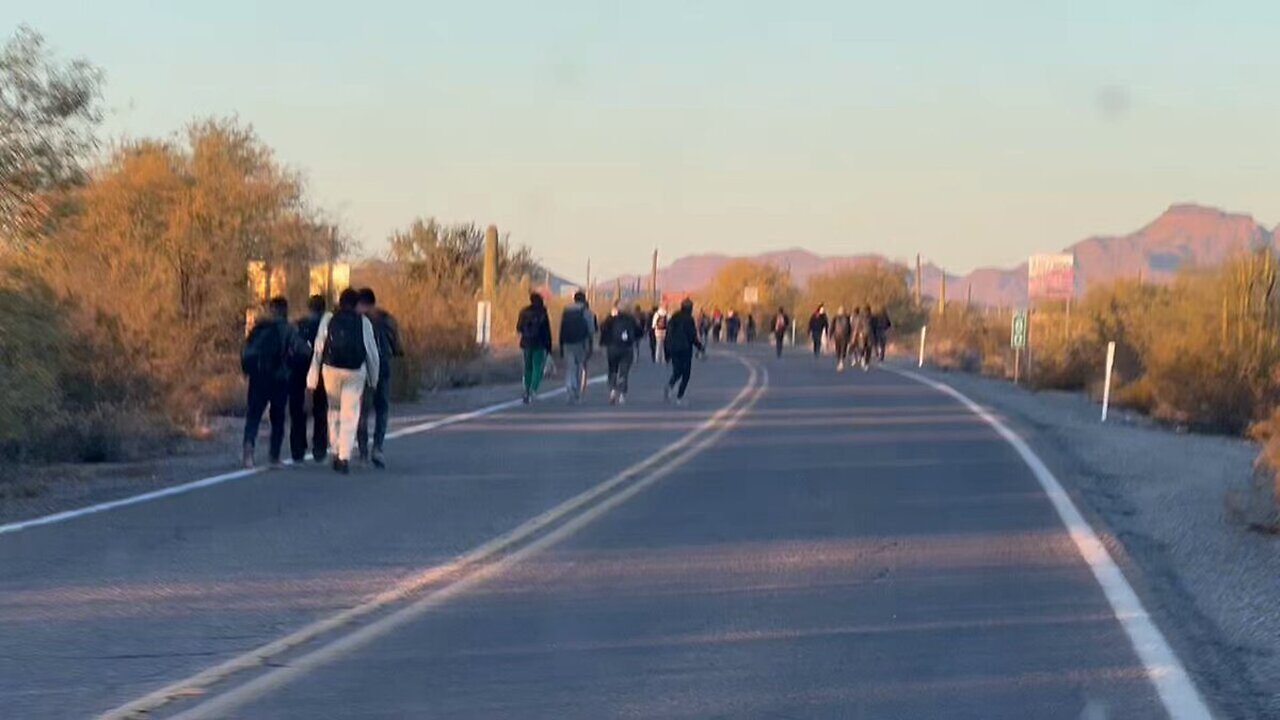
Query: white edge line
x=1166, y=672
x=277, y=677
x=66, y=515
x=413, y=583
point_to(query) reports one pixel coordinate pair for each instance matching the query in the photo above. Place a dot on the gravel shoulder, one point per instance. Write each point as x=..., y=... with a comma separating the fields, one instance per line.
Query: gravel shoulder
x=33, y=491
x=1158, y=497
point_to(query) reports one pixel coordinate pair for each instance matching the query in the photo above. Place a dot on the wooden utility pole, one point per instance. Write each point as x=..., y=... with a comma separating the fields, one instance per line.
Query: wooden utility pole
x=590, y=287
x=942, y=294
x=617, y=291
x=653, y=278
x=490, y=262
x=968, y=296
x=919, y=280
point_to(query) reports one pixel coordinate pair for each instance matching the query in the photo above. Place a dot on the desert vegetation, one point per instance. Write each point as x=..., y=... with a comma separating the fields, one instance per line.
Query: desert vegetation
x=124, y=275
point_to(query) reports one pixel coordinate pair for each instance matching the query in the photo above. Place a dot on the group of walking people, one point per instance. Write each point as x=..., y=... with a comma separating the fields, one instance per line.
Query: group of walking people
x=673, y=338
x=857, y=336
x=340, y=360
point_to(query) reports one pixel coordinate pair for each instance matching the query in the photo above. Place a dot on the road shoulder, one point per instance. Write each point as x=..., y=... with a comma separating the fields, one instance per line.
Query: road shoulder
x=1157, y=498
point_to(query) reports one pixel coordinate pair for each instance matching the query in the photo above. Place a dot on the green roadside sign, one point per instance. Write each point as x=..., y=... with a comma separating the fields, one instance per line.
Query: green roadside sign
x=1018, y=338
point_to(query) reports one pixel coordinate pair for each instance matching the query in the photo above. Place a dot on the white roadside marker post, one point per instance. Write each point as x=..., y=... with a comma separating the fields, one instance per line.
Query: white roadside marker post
x=924, y=330
x=1106, y=387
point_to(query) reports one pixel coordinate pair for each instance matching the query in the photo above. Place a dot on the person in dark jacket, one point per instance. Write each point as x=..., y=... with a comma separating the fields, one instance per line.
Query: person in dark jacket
x=841, y=335
x=751, y=327
x=681, y=341
x=880, y=325
x=861, y=347
x=534, y=327
x=270, y=351
x=619, y=335
x=732, y=325
x=817, y=328
x=307, y=328
x=387, y=333
x=642, y=327
x=780, y=324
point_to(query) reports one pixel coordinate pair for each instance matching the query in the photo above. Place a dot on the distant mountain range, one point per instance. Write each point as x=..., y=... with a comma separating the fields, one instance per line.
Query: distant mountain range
x=1185, y=235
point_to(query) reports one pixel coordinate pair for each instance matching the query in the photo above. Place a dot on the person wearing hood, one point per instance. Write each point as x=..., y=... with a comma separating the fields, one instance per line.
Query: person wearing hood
x=658, y=337
x=681, y=341
x=818, y=328
x=619, y=334
x=307, y=328
x=534, y=328
x=271, y=355
x=577, y=333
x=642, y=328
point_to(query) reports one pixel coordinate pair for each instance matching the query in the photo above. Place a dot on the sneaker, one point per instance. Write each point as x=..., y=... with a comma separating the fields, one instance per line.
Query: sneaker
x=321, y=457
x=525, y=399
x=666, y=393
x=377, y=459
x=247, y=459
x=679, y=402
x=613, y=397
x=840, y=366
x=622, y=399
x=342, y=467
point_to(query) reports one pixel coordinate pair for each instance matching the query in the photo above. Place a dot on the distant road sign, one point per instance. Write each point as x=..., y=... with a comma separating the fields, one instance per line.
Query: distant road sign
x=1018, y=338
x=751, y=295
x=1051, y=277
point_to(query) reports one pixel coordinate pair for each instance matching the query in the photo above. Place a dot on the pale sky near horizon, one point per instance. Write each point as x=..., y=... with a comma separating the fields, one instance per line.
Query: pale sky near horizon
x=974, y=133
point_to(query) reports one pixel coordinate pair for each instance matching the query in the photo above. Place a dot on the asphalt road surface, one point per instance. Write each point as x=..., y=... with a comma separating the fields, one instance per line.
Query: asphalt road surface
x=794, y=543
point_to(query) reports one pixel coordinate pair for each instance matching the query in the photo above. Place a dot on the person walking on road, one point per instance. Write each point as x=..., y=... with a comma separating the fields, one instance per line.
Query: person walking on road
x=751, y=327
x=880, y=325
x=681, y=341
x=345, y=360
x=732, y=326
x=651, y=327
x=642, y=328
x=270, y=353
x=619, y=335
x=307, y=328
x=861, y=322
x=841, y=333
x=818, y=328
x=780, y=324
x=534, y=328
x=387, y=333
x=658, y=338
x=577, y=331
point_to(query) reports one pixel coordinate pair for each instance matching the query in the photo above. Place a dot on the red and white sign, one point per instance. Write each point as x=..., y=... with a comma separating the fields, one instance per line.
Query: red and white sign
x=1051, y=277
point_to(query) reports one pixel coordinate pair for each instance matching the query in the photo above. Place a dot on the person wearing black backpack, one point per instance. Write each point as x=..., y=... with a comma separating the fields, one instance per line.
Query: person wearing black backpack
x=680, y=342
x=534, y=328
x=577, y=330
x=346, y=360
x=269, y=353
x=308, y=327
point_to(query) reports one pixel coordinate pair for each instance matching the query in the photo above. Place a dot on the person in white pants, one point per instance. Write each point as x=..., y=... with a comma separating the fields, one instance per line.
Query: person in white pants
x=347, y=359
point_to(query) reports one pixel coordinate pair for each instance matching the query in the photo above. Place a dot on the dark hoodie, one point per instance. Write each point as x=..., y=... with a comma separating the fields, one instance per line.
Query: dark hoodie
x=682, y=332
x=534, y=326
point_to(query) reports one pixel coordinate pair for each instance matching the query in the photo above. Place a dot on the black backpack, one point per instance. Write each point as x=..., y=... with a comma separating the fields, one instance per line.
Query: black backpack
x=264, y=352
x=573, y=327
x=344, y=344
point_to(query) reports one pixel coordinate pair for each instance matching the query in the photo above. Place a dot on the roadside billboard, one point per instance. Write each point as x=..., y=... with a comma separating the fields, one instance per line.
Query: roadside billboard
x=1051, y=277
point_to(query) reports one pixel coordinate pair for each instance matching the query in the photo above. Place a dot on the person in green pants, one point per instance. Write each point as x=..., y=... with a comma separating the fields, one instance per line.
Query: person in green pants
x=534, y=328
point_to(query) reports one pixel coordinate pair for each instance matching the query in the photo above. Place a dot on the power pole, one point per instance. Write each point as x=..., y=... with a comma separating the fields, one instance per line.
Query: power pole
x=968, y=296
x=919, y=280
x=942, y=293
x=653, y=278
x=590, y=287
x=490, y=262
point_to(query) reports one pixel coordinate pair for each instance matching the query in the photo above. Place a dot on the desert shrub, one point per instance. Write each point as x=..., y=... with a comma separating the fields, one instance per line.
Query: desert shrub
x=1258, y=505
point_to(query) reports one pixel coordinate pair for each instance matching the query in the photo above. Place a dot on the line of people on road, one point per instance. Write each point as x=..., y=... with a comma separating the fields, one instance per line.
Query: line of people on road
x=673, y=339
x=342, y=359
x=857, y=337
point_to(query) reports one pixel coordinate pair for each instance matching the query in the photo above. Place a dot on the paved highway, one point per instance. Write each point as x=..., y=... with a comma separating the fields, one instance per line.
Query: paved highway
x=795, y=543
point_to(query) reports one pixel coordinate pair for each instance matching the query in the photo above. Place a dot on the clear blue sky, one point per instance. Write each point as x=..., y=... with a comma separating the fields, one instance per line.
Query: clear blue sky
x=973, y=132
